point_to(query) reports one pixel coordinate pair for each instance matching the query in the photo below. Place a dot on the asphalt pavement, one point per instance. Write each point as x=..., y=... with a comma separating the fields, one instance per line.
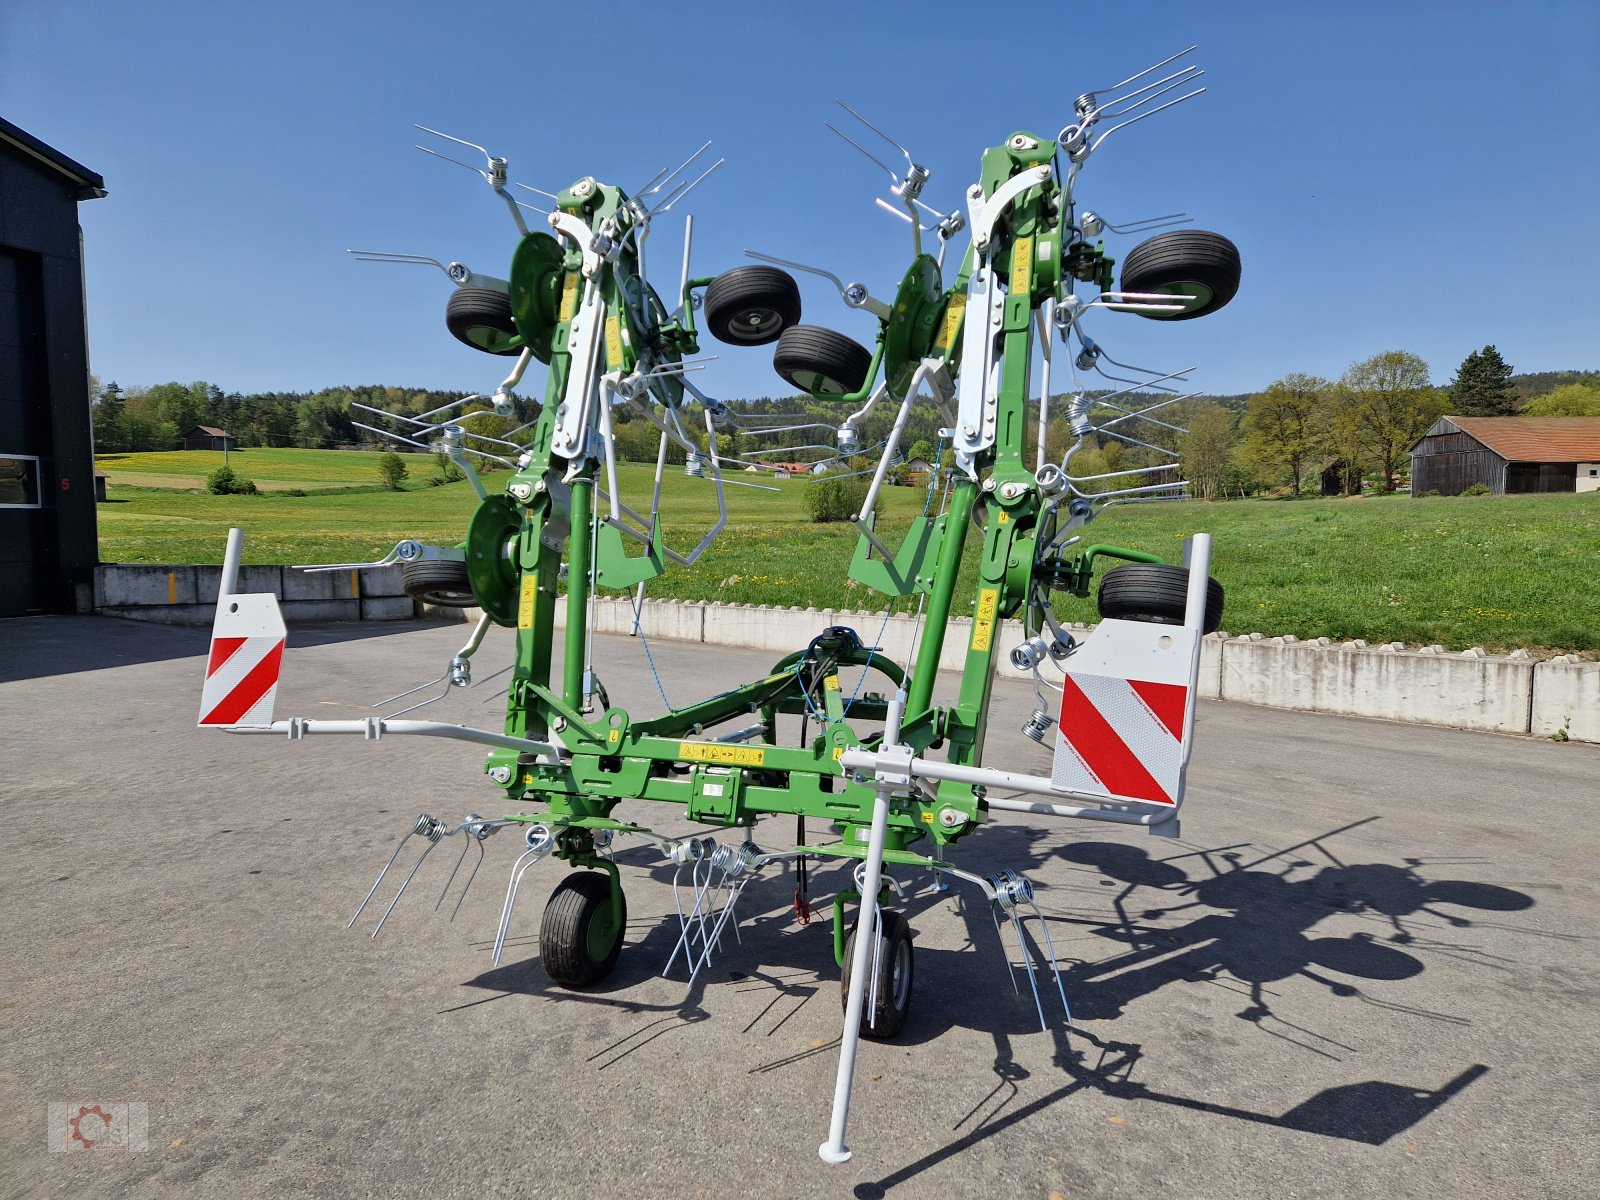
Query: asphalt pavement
x=1368, y=966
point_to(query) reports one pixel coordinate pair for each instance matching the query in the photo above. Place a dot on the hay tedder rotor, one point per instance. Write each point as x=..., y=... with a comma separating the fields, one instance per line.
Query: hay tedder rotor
x=996, y=287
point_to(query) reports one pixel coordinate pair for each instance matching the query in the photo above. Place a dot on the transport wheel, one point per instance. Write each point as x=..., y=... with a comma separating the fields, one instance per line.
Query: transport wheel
x=1198, y=267
x=893, y=984
x=438, y=581
x=820, y=361
x=581, y=936
x=482, y=319
x=751, y=306
x=1155, y=592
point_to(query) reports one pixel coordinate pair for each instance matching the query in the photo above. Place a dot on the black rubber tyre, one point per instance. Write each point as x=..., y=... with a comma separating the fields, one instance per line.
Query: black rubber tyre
x=751, y=306
x=895, y=972
x=438, y=581
x=579, y=941
x=1189, y=263
x=820, y=361
x=482, y=319
x=1155, y=592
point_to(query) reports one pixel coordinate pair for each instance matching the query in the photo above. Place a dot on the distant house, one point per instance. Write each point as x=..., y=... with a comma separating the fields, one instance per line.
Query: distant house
x=917, y=472
x=1508, y=455
x=203, y=437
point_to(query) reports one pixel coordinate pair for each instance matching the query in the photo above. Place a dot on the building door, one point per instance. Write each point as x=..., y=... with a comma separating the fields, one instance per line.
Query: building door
x=29, y=556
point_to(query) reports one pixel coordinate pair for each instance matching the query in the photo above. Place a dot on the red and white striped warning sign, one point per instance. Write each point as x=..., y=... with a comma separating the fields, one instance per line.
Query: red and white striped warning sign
x=1125, y=712
x=246, y=656
x=1122, y=737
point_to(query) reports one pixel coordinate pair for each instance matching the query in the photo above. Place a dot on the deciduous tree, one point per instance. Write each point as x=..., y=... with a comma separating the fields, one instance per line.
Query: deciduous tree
x=1393, y=406
x=1573, y=400
x=1283, y=426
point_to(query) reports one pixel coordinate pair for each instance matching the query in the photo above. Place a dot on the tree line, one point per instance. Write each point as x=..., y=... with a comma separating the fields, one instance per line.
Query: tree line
x=143, y=419
x=1301, y=431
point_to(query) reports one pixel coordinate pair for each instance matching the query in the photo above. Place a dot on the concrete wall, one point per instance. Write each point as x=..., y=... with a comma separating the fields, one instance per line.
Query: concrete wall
x=1472, y=689
x=1469, y=690
x=187, y=595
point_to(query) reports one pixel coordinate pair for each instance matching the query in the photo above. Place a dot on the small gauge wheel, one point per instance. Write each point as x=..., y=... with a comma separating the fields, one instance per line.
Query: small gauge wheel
x=1155, y=592
x=1200, y=268
x=580, y=937
x=481, y=317
x=820, y=361
x=751, y=306
x=439, y=581
x=888, y=994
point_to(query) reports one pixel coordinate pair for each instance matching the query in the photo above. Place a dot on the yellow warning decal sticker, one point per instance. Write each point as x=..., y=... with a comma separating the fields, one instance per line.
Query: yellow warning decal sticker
x=614, y=343
x=952, y=322
x=614, y=736
x=1005, y=518
x=831, y=683
x=569, y=295
x=1021, y=266
x=716, y=752
x=838, y=753
x=530, y=590
x=983, y=626
x=927, y=818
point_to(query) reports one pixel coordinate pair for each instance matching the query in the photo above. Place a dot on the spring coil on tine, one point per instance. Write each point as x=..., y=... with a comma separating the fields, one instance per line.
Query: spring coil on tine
x=1038, y=725
x=1011, y=889
x=537, y=837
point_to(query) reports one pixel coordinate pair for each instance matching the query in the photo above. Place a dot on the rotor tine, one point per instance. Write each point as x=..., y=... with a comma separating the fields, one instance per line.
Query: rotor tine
x=716, y=932
x=417, y=866
x=471, y=875
x=683, y=922
x=451, y=138
x=461, y=858
x=1012, y=971
x=457, y=161
x=682, y=190
x=518, y=869
x=1027, y=962
x=1148, y=70
x=877, y=131
x=893, y=175
x=374, y=888
x=662, y=177
x=1044, y=924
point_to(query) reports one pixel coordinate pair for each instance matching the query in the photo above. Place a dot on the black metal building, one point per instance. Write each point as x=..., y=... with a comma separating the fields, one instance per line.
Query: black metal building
x=48, y=545
x=1508, y=455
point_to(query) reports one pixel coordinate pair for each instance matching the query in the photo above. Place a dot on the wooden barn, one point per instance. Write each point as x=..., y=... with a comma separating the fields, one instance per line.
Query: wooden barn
x=1508, y=455
x=204, y=437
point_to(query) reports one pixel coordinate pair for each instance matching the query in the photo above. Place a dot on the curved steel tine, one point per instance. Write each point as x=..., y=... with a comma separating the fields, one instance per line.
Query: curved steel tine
x=459, y=860
x=518, y=869
x=1027, y=962
x=716, y=932
x=374, y=888
x=994, y=911
x=471, y=875
x=421, y=858
x=1044, y=924
x=683, y=922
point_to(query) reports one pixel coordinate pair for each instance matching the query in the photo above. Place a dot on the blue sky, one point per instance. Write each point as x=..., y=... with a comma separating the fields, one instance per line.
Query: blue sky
x=1418, y=176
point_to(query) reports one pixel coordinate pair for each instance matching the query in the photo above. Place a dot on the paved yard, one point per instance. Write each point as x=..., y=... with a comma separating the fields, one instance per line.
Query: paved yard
x=1368, y=967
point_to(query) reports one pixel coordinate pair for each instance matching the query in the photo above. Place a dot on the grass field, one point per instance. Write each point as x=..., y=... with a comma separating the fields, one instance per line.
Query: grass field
x=271, y=470
x=1500, y=572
